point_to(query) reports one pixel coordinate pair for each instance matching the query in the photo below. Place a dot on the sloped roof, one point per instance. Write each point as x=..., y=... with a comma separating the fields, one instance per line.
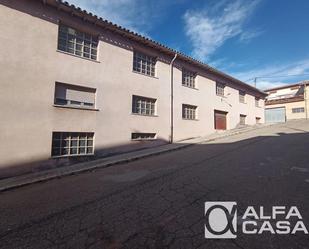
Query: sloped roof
x=99, y=21
x=287, y=86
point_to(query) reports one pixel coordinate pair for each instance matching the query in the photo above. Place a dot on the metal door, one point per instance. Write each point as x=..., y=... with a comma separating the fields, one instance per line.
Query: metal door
x=275, y=115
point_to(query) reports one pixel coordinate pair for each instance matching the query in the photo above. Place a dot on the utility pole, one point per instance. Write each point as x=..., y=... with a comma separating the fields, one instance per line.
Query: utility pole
x=255, y=81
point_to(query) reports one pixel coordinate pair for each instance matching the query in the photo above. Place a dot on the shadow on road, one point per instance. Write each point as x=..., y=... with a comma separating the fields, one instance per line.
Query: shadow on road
x=163, y=207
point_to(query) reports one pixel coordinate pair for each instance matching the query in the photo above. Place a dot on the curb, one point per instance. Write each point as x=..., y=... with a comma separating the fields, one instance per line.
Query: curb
x=38, y=177
x=33, y=178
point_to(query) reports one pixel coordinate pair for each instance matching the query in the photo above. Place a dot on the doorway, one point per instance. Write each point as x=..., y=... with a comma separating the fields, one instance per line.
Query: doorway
x=220, y=120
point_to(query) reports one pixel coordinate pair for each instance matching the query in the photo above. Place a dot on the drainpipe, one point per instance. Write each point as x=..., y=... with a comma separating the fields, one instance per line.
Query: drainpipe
x=305, y=97
x=172, y=99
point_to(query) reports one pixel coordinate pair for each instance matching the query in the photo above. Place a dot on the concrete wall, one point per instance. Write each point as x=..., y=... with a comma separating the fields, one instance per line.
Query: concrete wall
x=288, y=109
x=30, y=66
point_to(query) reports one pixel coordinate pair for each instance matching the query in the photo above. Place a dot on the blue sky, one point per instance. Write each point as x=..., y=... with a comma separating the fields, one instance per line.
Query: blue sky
x=244, y=38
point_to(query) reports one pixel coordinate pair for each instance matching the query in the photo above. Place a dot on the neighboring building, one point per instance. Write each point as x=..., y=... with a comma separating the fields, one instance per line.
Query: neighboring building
x=286, y=102
x=73, y=85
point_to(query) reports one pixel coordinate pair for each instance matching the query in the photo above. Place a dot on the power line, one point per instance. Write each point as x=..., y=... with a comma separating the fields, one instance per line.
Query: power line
x=277, y=76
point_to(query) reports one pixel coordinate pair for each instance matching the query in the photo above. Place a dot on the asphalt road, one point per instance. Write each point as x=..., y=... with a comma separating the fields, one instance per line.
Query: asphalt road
x=158, y=202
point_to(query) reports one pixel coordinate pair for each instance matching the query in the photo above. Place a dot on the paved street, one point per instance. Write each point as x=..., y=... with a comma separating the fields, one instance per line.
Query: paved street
x=158, y=202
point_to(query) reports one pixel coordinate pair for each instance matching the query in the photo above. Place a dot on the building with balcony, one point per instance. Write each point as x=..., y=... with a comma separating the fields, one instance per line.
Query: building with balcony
x=76, y=87
x=286, y=102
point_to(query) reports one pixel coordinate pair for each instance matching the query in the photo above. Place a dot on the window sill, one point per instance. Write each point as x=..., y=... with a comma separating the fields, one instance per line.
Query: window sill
x=193, y=88
x=221, y=96
x=142, y=140
x=243, y=103
x=190, y=119
x=81, y=57
x=154, y=77
x=66, y=156
x=76, y=107
x=144, y=115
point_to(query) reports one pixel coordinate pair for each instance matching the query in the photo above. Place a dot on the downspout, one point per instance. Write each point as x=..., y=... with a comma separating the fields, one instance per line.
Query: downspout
x=172, y=99
x=305, y=97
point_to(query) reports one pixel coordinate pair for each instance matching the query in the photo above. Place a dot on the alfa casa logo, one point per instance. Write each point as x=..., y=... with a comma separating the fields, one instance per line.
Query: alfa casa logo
x=222, y=220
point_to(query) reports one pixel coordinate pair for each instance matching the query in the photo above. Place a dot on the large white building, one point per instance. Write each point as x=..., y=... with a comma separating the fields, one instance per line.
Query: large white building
x=74, y=87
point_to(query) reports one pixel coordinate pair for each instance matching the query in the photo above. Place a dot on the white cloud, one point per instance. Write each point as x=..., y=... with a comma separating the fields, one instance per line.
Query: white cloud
x=270, y=76
x=131, y=14
x=218, y=63
x=246, y=36
x=209, y=28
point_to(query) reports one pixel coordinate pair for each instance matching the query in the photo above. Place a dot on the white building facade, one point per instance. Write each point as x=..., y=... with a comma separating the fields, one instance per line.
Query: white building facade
x=75, y=87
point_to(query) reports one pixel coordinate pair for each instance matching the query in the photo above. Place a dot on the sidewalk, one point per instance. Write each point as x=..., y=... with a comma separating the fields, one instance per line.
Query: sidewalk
x=23, y=180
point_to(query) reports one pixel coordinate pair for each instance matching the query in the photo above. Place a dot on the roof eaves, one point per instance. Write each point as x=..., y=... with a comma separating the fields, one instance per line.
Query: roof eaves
x=287, y=86
x=166, y=49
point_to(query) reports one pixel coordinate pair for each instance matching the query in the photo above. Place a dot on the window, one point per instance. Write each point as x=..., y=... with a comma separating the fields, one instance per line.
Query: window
x=220, y=89
x=188, y=78
x=144, y=106
x=242, y=119
x=72, y=143
x=257, y=120
x=143, y=136
x=76, y=96
x=257, y=100
x=298, y=110
x=242, y=95
x=144, y=64
x=78, y=43
x=189, y=112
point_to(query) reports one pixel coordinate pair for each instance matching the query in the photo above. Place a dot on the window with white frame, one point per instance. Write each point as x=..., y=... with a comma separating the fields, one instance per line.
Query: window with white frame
x=143, y=136
x=257, y=102
x=220, y=89
x=76, y=42
x=188, y=78
x=75, y=96
x=144, y=64
x=298, y=110
x=72, y=143
x=242, y=95
x=143, y=105
x=189, y=112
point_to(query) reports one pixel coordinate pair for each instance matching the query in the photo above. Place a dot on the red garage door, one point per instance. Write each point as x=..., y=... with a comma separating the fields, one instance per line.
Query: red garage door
x=220, y=120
